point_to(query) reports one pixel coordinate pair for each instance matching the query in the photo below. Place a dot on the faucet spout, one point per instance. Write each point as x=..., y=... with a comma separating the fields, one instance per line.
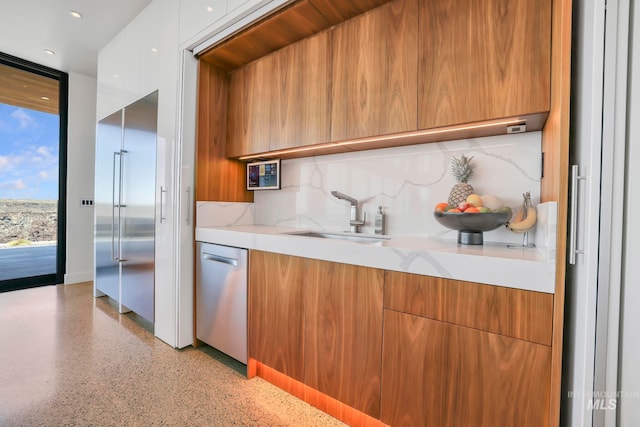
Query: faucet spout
x=343, y=196
x=354, y=221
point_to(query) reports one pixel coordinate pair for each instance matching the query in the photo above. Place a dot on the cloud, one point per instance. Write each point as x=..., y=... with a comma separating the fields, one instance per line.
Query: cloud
x=23, y=118
x=5, y=164
x=17, y=184
x=43, y=174
x=10, y=162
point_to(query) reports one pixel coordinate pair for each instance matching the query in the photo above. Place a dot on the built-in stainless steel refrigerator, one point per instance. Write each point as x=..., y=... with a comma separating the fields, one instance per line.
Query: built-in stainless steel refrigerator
x=124, y=234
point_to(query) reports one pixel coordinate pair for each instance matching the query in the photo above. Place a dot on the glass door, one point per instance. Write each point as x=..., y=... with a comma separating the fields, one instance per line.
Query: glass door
x=33, y=103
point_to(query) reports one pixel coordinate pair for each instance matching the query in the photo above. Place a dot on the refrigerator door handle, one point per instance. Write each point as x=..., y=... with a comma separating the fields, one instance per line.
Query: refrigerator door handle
x=573, y=230
x=120, y=206
x=113, y=207
x=219, y=258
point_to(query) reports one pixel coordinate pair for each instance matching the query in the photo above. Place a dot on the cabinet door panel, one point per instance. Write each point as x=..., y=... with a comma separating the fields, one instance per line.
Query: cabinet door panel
x=343, y=340
x=516, y=313
x=483, y=60
x=439, y=374
x=301, y=99
x=276, y=312
x=250, y=96
x=375, y=72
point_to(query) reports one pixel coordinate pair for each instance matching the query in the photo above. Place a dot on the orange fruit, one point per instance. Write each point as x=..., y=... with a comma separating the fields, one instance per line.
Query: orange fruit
x=440, y=207
x=472, y=210
x=454, y=210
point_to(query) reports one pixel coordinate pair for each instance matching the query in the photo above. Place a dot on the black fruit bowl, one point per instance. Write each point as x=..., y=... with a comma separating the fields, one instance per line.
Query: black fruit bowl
x=471, y=225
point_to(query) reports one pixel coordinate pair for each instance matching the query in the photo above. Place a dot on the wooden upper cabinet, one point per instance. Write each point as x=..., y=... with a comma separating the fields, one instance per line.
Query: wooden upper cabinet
x=281, y=100
x=439, y=374
x=276, y=312
x=375, y=72
x=343, y=339
x=249, y=120
x=301, y=103
x=482, y=60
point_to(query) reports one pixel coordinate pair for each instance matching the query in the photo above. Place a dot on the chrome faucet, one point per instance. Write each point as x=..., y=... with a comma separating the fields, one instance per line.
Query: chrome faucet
x=354, y=222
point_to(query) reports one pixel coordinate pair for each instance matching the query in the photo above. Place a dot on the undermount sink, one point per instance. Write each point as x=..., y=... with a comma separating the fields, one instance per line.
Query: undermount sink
x=357, y=238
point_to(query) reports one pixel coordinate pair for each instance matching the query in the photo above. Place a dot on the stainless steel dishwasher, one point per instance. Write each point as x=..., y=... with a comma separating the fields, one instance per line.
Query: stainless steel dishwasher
x=221, y=298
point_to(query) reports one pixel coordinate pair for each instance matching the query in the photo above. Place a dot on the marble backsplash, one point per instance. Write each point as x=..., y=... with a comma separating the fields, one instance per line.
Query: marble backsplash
x=406, y=181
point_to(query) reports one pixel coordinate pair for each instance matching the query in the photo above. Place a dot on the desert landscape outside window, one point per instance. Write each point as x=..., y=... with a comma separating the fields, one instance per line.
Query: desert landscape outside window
x=32, y=190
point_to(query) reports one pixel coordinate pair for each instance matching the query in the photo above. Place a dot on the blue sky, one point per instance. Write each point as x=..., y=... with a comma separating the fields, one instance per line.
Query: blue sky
x=28, y=154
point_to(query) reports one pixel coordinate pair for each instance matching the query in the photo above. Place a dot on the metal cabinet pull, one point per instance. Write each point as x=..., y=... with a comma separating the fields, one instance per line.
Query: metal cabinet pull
x=573, y=230
x=163, y=191
x=188, y=205
x=218, y=258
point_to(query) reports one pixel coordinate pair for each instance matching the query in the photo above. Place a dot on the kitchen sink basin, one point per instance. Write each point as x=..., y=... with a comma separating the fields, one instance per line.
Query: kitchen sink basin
x=350, y=237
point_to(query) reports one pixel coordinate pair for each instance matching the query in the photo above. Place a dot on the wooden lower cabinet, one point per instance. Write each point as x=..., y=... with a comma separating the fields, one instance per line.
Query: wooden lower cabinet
x=323, y=324
x=276, y=311
x=441, y=374
x=343, y=333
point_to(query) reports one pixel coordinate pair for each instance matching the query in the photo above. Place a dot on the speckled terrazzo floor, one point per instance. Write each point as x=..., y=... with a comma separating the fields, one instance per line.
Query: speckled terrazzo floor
x=67, y=359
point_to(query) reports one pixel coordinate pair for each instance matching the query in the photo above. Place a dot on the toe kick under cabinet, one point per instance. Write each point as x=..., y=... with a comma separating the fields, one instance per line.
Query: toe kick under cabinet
x=404, y=349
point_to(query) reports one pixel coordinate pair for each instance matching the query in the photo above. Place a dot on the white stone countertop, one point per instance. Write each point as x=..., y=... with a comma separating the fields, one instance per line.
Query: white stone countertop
x=491, y=263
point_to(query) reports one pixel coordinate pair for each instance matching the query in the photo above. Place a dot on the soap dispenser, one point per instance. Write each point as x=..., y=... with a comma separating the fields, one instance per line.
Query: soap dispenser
x=380, y=222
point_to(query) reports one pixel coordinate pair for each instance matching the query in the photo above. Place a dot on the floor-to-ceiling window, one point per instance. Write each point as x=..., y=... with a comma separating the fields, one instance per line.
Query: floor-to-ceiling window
x=33, y=140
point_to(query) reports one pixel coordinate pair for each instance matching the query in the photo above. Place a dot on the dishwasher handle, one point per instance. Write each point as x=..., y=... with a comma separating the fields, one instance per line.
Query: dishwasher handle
x=218, y=258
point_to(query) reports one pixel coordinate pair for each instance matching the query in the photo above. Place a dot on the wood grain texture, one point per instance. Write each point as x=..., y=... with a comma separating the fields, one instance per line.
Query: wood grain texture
x=250, y=107
x=301, y=99
x=343, y=339
x=25, y=89
x=375, y=72
x=325, y=403
x=555, y=183
x=515, y=313
x=339, y=11
x=217, y=177
x=482, y=60
x=276, y=307
x=286, y=26
x=438, y=374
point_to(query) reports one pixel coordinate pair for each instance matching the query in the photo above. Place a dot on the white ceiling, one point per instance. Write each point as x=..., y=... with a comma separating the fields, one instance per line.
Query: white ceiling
x=27, y=27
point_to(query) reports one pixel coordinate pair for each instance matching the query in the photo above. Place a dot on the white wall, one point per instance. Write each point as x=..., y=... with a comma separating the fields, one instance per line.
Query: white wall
x=80, y=170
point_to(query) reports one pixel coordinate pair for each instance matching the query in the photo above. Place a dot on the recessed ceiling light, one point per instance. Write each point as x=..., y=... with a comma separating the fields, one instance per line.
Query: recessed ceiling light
x=209, y=9
x=154, y=50
x=115, y=76
x=46, y=98
x=75, y=14
x=49, y=52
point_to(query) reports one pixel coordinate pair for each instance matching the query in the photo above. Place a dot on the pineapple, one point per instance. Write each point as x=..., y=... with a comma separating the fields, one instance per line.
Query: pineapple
x=462, y=169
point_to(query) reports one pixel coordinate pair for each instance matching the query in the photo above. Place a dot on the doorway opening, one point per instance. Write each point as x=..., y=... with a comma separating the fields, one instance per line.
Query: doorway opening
x=33, y=143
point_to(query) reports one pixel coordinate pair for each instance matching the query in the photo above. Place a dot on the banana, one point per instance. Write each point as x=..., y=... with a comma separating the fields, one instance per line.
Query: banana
x=521, y=214
x=525, y=218
x=526, y=224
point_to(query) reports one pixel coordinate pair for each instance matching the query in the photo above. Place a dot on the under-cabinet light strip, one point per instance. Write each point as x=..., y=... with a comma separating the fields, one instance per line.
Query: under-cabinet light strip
x=396, y=137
